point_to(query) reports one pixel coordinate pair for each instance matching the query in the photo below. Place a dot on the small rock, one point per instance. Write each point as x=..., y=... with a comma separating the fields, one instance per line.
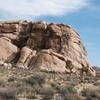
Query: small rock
x=5, y=65
x=1, y=63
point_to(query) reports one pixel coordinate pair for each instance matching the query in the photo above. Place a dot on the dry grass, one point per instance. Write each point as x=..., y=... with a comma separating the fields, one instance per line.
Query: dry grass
x=43, y=85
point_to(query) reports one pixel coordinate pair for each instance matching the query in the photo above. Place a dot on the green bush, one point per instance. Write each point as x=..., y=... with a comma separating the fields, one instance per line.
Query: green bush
x=64, y=89
x=91, y=94
x=34, y=80
x=48, y=92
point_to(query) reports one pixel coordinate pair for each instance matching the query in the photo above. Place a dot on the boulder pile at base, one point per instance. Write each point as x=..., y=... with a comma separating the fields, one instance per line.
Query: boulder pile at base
x=44, y=46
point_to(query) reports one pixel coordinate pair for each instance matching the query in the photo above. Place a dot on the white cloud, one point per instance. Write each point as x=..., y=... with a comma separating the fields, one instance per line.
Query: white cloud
x=41, y=7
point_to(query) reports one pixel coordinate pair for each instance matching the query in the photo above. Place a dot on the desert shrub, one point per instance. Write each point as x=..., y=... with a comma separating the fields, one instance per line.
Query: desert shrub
x=8, y=99
x=30, y=95
x=91, y=94
x=64, y=89
x=58, y=97
x=48, y=92
x=2, y=83
x=66, y=92
x=11, y=79
x=72, y=96
x=27, y=91
x=47, y=97
x=33, y=80
x=7, y=94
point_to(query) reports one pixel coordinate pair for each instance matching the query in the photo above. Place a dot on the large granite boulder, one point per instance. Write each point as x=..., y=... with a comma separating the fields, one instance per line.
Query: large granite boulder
x=8, y=51
x=51, y=47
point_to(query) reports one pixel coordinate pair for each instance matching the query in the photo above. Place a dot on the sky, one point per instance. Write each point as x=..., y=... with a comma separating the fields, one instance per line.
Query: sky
x=82, y=15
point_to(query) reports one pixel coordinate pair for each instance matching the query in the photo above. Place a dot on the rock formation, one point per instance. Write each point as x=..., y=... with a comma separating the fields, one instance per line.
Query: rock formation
x=40, y=45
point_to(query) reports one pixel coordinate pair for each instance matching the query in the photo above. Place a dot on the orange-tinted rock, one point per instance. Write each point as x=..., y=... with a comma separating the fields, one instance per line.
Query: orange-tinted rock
x=8, y=51
x=52, y=47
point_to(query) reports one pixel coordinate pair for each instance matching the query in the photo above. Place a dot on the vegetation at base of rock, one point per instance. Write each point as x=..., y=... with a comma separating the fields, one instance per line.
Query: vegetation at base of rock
x=34, y=80
x=91, y=94
x=43, y=85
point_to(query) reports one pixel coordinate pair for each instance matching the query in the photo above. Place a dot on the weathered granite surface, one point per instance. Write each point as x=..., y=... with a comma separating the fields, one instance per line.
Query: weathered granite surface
x=45, y=46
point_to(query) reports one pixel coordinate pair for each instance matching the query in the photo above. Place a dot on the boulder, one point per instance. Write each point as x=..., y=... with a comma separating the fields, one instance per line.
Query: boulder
x=8, y=51
x=25, y=53
x=48, y=61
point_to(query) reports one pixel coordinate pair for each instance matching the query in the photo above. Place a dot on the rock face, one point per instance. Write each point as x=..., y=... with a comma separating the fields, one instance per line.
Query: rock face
x=51, y=47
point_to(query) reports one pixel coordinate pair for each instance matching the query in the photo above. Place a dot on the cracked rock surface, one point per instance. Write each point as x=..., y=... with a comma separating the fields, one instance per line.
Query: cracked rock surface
x=45, y=46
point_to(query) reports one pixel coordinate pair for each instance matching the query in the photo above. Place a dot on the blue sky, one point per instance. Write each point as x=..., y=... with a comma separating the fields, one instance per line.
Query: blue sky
x=82, y=15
